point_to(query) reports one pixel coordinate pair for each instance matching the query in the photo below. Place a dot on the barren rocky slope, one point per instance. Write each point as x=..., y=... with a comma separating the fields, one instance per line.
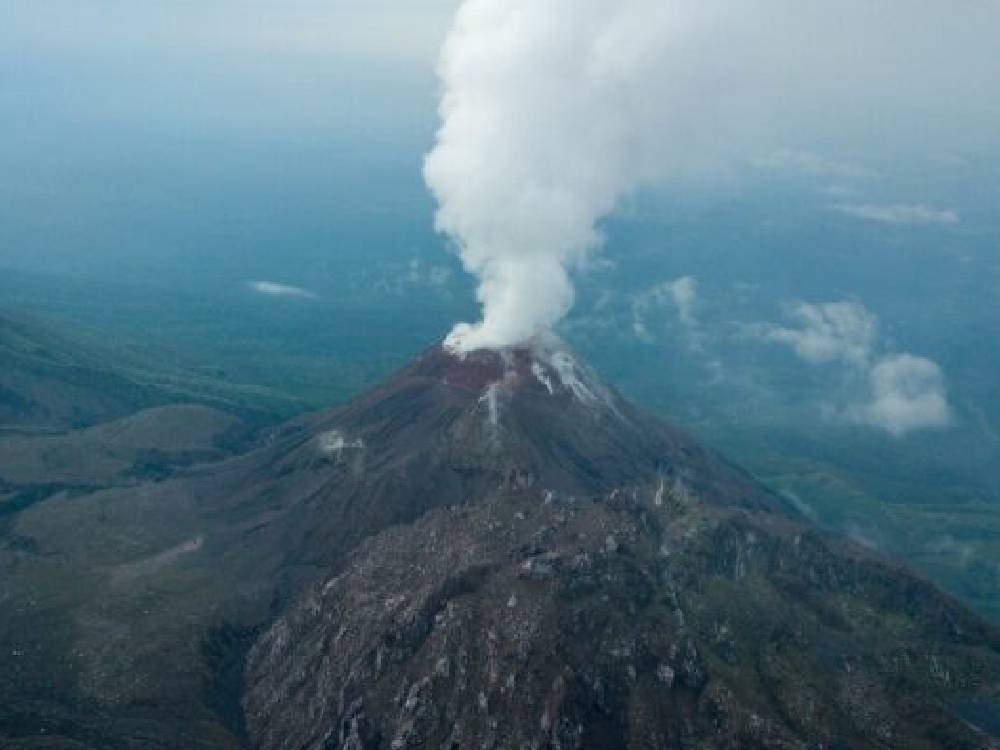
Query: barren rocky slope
x=616, y=588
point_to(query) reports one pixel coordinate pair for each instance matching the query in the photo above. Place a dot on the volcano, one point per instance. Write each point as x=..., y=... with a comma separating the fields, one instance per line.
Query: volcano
x=489, y=550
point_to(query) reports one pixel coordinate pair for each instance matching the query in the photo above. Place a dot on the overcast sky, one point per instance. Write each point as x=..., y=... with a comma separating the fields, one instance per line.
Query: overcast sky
x=106, y=103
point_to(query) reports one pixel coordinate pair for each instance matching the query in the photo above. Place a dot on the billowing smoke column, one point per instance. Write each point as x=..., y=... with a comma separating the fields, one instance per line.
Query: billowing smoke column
x=553, y=110
x=543, y=105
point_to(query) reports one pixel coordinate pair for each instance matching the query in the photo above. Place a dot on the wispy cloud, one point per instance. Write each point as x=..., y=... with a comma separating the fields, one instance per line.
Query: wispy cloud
x=437, y=276
x=961, y=552
x=899, y=214
x=680, y=294
x=811, y=164
x=276, y=289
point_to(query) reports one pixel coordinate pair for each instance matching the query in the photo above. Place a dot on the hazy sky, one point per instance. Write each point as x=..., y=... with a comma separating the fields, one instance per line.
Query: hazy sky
x=138, y=129
x=133, y=128
x=294, y=69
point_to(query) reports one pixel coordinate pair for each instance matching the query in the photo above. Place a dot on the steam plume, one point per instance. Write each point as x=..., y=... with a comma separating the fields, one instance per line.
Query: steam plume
x=543, y=106
x=553, y=110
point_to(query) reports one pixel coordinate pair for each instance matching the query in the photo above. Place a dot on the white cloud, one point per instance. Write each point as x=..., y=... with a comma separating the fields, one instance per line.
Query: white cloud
x=905, y=393
x=828, y=332
x=275, y=289
x=684, y=293
x=908, y=394
x=900, y=214
x=681, y=294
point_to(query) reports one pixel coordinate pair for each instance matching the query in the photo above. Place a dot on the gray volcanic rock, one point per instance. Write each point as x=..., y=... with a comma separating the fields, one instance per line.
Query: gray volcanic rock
x=609, y=585
x=618, y=622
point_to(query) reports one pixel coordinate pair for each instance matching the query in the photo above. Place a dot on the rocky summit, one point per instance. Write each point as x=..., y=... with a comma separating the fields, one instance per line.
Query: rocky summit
x=488, y=550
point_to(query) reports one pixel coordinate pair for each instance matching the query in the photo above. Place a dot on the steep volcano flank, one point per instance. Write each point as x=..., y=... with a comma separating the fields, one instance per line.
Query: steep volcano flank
x=450, y=430
x=566, y=572
x=621, y=622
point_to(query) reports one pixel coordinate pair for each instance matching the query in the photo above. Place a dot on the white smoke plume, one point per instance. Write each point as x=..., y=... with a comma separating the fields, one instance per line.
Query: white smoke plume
x=554, y=110
x=544, y=110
